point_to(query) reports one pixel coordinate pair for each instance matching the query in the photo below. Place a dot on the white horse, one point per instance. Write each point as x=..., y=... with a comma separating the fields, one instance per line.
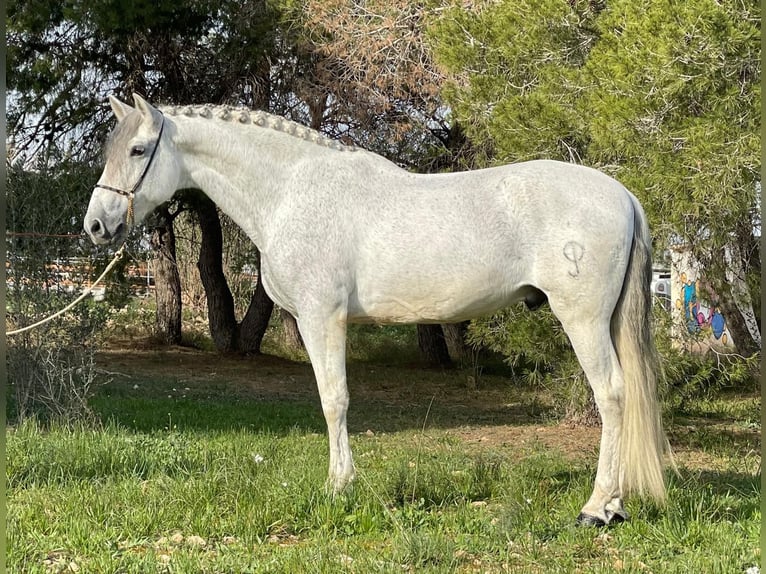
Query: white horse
x=347, y=236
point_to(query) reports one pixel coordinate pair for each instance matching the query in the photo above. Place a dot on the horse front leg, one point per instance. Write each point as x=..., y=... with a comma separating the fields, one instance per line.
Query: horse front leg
x=324, y=335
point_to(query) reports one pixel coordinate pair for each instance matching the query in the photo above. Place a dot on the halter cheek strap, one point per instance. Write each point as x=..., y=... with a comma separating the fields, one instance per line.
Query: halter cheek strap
x=131, y=193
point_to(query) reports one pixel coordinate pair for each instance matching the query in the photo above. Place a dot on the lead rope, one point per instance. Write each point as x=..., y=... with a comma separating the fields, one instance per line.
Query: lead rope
x=87, y=291
x=129, y=219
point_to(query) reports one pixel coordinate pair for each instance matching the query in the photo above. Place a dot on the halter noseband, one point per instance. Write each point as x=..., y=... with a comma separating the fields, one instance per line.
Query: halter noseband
x=130, y=193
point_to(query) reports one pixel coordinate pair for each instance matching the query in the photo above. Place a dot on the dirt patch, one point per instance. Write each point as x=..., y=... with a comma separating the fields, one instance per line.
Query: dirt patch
x=493, y=414
x=265, y=375
x=260, y=375
x=572, y=442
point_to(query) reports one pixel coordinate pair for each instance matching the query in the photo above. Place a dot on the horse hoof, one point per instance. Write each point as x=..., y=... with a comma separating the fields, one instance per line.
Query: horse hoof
x=617, y=517
x=586, y=520
x=589, y=520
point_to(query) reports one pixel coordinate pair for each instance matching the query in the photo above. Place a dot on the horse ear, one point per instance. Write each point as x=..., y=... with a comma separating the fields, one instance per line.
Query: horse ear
x=120, y=109
x=149, y=113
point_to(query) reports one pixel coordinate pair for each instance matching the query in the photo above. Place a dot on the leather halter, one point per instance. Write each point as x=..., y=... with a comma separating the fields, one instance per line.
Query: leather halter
x=131, y=193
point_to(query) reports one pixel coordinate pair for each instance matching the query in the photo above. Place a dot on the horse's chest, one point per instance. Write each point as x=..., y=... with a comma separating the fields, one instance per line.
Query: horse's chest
x=276, y=286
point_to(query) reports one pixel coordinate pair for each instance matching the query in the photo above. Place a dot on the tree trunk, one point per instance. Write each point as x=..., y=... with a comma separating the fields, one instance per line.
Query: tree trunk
x=291, y=335
x=454, y=335
x=432, y=345
x=167, y=282
x=735, y=323
x=738, y=258
x=220, y=302
x=256, y=320
x=726, y=270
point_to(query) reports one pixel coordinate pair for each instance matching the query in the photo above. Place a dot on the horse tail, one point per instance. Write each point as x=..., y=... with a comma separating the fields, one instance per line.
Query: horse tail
x=642, y=438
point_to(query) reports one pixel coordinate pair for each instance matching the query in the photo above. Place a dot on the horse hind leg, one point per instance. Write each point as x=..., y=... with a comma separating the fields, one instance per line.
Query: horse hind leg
x=592, y=343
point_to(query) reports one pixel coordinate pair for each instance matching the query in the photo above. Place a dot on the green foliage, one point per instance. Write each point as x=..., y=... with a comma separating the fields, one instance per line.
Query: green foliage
x=51, y=373
x=692, y=376
x=536, y=347
x=514, y=68
x=382, y=343
x=64, y=58
x=45, y=246
x=532, y=342
x=48, y=199
x=675, y=104
x=665, y=97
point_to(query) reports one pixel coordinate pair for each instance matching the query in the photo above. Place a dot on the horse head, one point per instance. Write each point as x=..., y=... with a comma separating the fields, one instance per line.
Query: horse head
x=140, y=172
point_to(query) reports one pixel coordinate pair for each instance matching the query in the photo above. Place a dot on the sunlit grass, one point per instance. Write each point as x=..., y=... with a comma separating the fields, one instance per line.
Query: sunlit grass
x=214, y=483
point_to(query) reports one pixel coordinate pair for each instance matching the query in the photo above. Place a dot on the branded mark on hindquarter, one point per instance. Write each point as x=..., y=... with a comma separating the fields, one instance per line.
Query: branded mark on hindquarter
x=573, y=252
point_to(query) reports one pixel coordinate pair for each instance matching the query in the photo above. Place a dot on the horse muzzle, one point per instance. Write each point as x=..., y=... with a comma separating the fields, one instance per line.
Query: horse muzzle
x=102, y=233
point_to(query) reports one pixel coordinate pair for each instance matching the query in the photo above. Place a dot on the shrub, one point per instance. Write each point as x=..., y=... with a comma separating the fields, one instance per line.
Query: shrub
x=535, y=346
x=51, y=371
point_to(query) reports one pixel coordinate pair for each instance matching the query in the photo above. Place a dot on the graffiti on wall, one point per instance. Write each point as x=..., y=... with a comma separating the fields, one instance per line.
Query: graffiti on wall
x=700, y=309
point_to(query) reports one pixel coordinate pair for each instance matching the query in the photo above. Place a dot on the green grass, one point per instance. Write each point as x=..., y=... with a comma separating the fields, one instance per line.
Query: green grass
x=194, y=479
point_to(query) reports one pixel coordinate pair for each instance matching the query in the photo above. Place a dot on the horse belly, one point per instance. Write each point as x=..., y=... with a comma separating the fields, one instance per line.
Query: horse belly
x=435, y=266
x=430, y=300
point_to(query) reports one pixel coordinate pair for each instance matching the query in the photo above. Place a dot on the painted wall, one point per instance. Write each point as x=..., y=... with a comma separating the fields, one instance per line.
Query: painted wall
x=694, y=304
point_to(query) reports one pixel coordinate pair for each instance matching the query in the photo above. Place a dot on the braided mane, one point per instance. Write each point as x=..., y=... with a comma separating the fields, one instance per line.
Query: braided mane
x=256, y=118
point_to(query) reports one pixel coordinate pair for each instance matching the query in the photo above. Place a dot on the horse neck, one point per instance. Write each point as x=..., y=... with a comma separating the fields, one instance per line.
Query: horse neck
x=244, y=160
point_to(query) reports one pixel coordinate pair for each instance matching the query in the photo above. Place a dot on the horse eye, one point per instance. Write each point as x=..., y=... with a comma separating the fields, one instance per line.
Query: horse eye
x=137, y=150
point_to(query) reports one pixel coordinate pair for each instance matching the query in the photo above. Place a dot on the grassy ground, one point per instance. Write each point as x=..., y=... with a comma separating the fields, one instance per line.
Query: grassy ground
x=209, y=464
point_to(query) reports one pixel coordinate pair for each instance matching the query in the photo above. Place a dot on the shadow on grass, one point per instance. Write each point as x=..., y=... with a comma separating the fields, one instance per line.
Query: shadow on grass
x=194, y=391
x=267, y=393
x=694, y=496
x=280, y=416
x=732, y=484
x=209, y=415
